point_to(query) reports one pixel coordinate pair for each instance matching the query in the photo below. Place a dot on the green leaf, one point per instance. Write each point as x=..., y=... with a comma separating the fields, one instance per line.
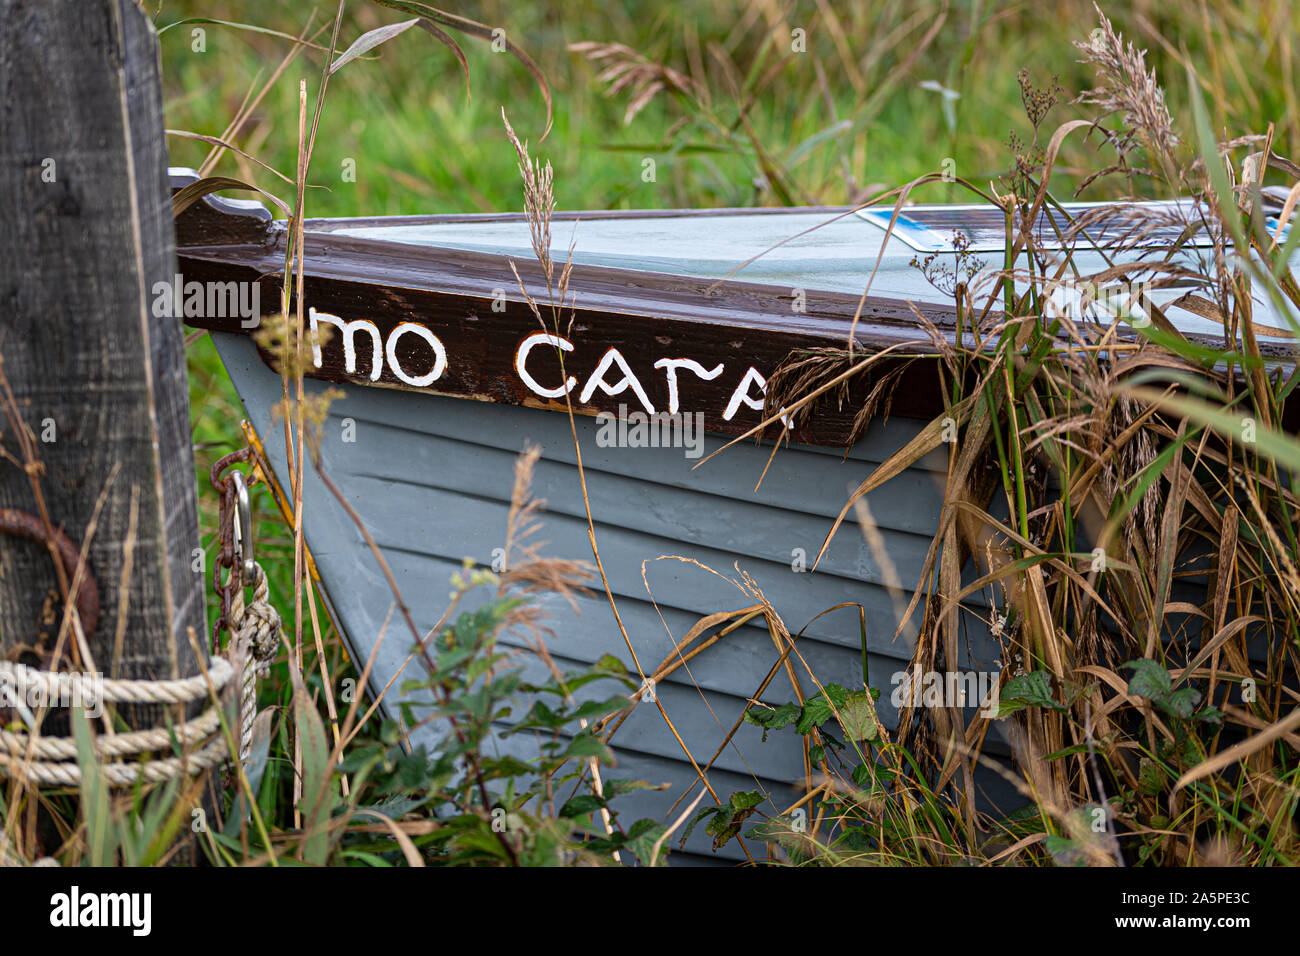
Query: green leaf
x=480, y=840
x=702, y=813
x=782, y=716
x=160, y=819
x=1151, y=779
x=1070, y=751
x=369, y=40
x=318, y=788
x=595, y=709
x=770, y=831
x=607, y=843
x=727, y=822
x=871, y=776
x=858, y=717
x=587, y=745
x=640, y=827
x=643, y=843
x=1021, y=822
x=370, y=859
x=616, y=787
x=101, y=839
x=1182, y=703
x=817, y=710
x=506, y=766
x=1065, y=852
x=581, y=805
x=1028, y=690
x=1149, y=680
x=610, y=664
x=717, y=827
x=538, y=716
x=1211, y=715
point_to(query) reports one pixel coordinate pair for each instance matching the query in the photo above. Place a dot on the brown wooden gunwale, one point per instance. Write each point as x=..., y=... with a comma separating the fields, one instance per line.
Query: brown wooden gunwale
x=615, y=304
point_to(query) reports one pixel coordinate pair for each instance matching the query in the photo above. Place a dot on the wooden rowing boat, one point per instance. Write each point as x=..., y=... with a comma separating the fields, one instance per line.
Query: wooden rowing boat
x=684, y=312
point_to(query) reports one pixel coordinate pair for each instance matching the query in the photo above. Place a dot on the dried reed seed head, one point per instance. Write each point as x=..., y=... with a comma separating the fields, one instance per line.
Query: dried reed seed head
x=1038, y=101
x=526, y=571
x=291, y=352
x=315, y=408
x=539, y=198
x=625, y=69
x=1128, y=89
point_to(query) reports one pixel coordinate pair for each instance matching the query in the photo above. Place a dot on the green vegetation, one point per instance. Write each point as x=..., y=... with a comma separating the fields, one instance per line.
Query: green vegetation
x=421, y=146
x=1129, y=709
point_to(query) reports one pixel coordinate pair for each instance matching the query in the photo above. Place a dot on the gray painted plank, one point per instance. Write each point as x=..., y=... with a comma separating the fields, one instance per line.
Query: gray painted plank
x=431, y=477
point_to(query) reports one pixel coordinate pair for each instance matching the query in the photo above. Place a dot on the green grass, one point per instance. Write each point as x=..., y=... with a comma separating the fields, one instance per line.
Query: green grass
x=761, y=132
x=420, y=146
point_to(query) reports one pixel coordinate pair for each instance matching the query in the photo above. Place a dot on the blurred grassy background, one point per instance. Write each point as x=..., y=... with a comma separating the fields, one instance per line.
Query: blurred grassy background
x=420, y=146
x=885, y=92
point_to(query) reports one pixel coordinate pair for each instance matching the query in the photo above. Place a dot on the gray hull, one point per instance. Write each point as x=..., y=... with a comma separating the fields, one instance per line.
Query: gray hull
x=431, y=477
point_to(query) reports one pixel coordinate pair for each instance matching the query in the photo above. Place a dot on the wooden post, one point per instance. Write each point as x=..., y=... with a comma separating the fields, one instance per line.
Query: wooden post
x=98, y=376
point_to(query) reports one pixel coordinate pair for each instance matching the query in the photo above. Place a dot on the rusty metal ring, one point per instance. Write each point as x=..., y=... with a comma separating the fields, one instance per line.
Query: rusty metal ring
x=219, y=483
x=234, y=533
x=24, y=524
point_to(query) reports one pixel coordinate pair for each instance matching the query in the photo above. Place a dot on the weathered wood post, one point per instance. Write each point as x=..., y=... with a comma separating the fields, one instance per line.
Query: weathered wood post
x=97, y=376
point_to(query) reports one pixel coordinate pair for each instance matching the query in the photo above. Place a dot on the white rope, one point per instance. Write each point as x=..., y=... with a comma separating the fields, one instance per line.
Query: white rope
x=256, y=629
x=52, y=760
x=68, y=774
x=117, y=745
x=89, y=688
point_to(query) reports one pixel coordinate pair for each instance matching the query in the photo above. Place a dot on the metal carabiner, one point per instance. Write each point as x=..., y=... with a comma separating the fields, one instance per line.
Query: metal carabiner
x=243, y=528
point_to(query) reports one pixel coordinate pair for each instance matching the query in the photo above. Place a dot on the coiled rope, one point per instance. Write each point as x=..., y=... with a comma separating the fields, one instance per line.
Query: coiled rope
x=256, y=627
x=52, y=760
